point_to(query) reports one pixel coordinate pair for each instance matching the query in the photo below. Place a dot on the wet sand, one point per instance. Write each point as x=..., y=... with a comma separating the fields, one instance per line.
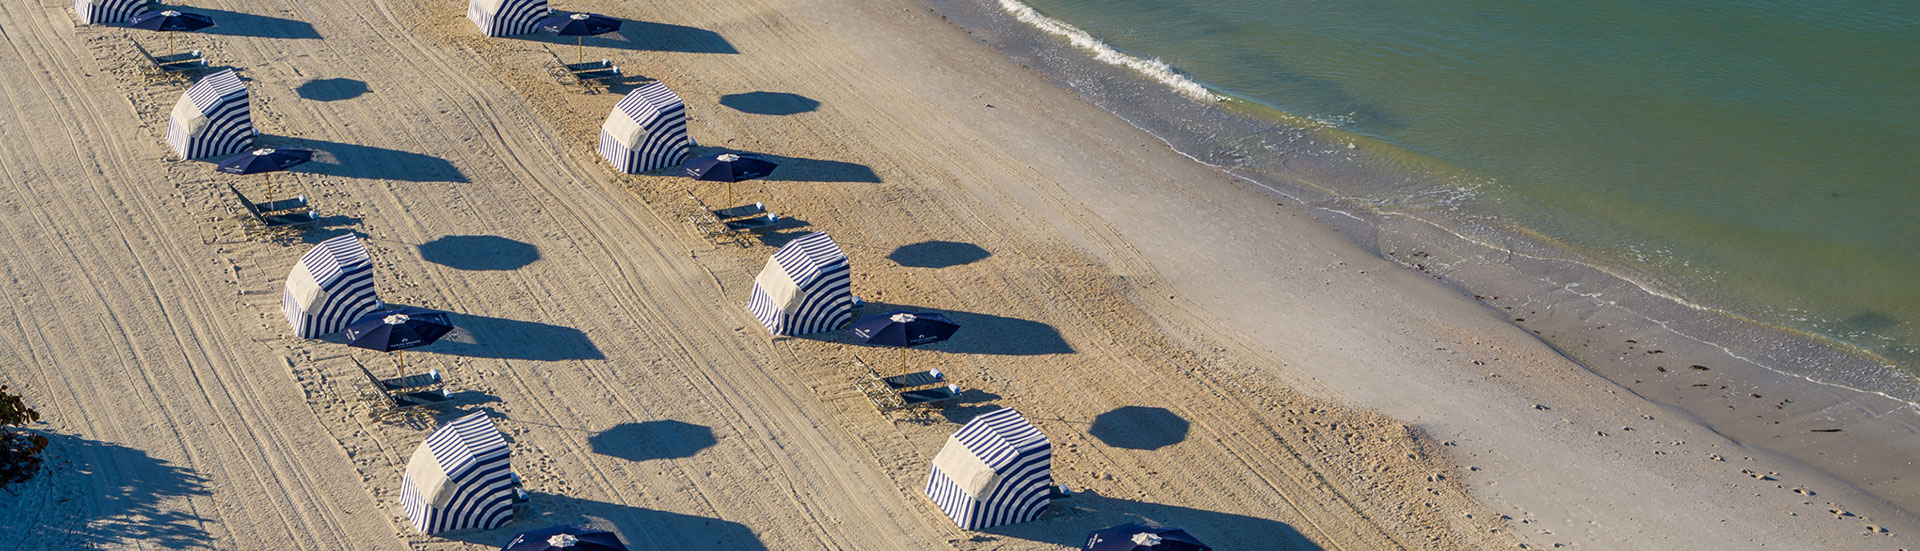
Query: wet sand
x=1200, y=356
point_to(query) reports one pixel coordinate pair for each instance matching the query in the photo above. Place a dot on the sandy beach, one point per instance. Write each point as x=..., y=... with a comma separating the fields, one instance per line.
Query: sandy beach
x=1278, y=385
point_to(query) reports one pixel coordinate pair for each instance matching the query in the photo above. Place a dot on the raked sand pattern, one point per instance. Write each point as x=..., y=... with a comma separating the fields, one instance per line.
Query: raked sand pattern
x=608, y=340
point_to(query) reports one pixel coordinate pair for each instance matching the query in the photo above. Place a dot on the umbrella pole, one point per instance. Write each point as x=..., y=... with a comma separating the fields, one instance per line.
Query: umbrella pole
x=268, y=176
x=579, y=50
x=903, y=359
x=169, y=43
x=729, y=202
x=400, y=358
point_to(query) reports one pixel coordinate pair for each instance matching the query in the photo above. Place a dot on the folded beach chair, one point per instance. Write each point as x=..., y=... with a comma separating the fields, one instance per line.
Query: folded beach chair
x=741, y=211
x=913, y=380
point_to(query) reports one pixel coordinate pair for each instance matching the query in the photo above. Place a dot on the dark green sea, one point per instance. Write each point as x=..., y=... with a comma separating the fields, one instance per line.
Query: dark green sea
x=1757, y=158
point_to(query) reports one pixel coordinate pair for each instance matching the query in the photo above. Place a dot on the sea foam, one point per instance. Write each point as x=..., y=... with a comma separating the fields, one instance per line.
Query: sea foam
x=1151, y=68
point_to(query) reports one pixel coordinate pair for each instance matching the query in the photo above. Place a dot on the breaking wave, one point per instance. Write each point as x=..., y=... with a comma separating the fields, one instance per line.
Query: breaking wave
x=1151, y=68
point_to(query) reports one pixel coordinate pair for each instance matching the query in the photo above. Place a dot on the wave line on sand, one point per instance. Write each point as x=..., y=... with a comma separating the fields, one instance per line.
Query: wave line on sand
x=1105, y=53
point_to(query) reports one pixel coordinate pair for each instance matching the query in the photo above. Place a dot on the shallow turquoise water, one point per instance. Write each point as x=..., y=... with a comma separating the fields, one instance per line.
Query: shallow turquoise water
x=1759, y=157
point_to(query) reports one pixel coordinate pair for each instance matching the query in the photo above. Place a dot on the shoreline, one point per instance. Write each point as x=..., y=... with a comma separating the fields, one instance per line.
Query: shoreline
x=1272, y=383
x=1882, y=419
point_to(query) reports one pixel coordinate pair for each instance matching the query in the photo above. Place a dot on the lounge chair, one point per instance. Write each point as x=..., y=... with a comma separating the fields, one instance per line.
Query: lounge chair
x=593, y=70
x=594, y=76
x=170, y=63
x=741, y=211
x=756, y=223
x=913, y=380
x=906, y=390
x=269, y=207
x=404, y=400
x=410, y=382
x=297, y=203
x=285, y=213
x=422, y=398
x=927, y=397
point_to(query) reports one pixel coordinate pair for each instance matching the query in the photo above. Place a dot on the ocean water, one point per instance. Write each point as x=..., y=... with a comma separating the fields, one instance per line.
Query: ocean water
x=1756, y=158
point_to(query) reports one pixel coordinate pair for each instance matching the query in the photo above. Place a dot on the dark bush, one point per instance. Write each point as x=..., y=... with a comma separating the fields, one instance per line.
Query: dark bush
x=19, y=449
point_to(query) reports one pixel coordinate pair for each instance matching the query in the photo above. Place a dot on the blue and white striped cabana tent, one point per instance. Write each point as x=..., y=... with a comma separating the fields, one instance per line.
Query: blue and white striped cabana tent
x=997, y=469
x=506, y=17
x=212, y=118
x=95, y=12
x=646, y=131
x=459, y=479
x=806, y=287
x=330, y=288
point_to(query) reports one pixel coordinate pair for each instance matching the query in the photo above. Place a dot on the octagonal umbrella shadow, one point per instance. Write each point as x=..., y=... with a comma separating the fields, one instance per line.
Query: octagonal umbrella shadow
x=663, y=439
x=770, y=103
x=479, y=252
x=331, y=89
x=937, y=254
x=1139, y=428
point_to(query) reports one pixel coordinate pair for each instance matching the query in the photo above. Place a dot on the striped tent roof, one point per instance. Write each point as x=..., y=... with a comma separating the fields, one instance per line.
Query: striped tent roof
x=95, y=12
x=807, y=287
x=212, y=118
x=506, y=17
x=997, y=469
x=329, y=288
x=460, y=478
x=646, y=131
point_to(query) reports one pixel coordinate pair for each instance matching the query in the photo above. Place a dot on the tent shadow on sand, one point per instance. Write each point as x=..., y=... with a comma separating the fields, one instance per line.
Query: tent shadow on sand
x=1139, y=428
x=233, y=23
x=641, y=529
x=489, y=337
x=124, y=497
x=331, y=89
x=479, y=253
x=641, y=36
x=979, y=333
x=365, y=161
x=1067, y=522
x=770, y=103
x=797, y=169
x=662, y=439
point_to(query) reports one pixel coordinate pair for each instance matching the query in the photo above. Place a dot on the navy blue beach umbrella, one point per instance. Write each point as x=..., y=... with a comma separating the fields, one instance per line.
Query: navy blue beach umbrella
x=729, y=168
x=265, y=160
x=170, y=21
x=396, y=330
x=1140, y=537
x=902, y=329
x=579, y=26
x=566, y=538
